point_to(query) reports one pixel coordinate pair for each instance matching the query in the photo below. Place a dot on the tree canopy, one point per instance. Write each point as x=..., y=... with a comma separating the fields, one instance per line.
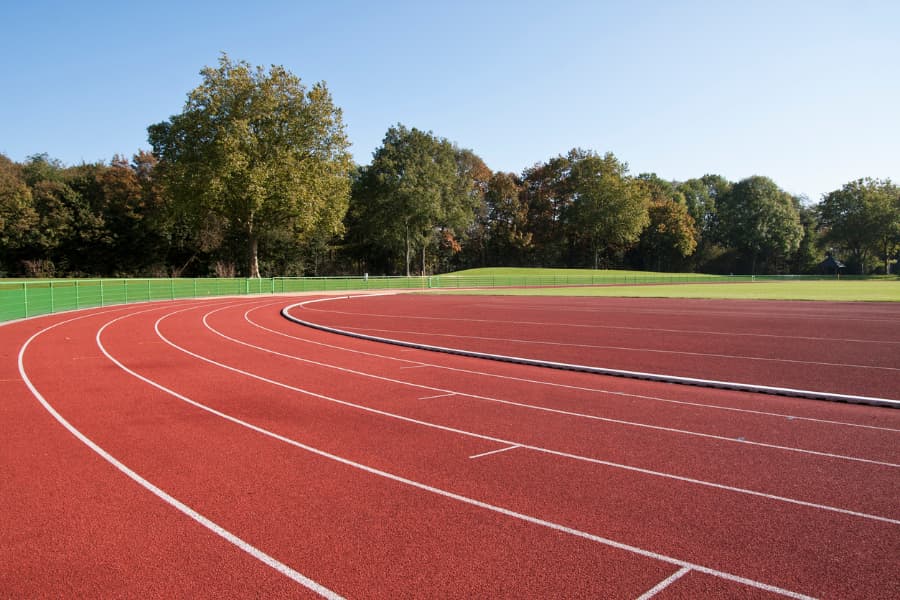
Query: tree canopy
x=257, y=153
x=863, y=217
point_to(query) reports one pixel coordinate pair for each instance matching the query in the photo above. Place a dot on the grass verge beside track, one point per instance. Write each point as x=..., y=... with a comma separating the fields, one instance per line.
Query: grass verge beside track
x=826, y=290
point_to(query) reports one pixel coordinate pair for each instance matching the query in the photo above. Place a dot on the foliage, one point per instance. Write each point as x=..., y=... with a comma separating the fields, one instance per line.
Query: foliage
x=256, y=152
x=760, y=220
x=669, y=236
x=419, y=191
x=863, y=218
x=608, y=210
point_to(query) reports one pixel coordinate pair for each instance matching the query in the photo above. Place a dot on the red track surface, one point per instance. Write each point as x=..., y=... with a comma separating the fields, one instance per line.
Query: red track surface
x=845, y=348
x=378, y=471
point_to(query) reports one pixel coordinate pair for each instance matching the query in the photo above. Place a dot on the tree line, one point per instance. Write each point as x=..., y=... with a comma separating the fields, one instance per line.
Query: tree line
x=254, y=176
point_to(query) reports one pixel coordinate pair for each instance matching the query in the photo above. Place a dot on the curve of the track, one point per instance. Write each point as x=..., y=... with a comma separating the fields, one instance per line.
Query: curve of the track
x=291, y=462
x=842, y=348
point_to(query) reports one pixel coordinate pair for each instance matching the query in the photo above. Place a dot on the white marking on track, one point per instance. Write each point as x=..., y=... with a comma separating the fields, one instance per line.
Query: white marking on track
x=156, y=491
x=664, y=583
x=495, y=451
x=438, y=396
x=626, y=328
x=545, y=409
x=451, y=495
x=623, y=348
x=567, y=386
x=510, y=442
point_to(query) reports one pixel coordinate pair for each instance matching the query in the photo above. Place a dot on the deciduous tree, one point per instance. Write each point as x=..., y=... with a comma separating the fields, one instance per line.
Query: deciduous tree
x=257, y=151
x=760, y=219
x=863, y=217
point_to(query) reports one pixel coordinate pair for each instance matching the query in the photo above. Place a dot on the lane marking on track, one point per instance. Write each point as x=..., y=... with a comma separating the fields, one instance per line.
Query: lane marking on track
x=510, y=442
x=370, y=330
x=438, y=396
x=664, y=583
x=158, y=492
x=447, y=392
x=414, y=367
x=447, y=494
x=663, y=377
x=626, y=328
x=495, y=451
x=562, y=385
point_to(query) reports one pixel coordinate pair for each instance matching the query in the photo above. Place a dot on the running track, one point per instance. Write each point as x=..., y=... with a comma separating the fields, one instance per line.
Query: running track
x=213, y=448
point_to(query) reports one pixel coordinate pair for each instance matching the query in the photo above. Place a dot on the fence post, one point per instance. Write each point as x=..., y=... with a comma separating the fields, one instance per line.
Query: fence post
x=101, y=293
x=51, y=298
x=172, y=286
x=25, y=296
x=77, y=302
x=125, y=289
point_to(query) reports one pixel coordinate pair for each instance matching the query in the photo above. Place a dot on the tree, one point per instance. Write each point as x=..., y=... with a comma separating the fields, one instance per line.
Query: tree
x=507, y=217
x=17, y=215
x=669, y=236
x=416, y=192
x=863, y=217
x=608, y=209
x=257, y=152
x=760, y=220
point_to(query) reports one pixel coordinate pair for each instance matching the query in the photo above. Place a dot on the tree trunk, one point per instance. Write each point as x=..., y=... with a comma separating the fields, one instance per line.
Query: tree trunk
x=254, y=254
x=423, y=260
x=407, y=250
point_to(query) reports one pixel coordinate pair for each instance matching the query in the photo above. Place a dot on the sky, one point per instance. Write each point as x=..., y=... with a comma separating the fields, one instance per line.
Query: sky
x=804, y=92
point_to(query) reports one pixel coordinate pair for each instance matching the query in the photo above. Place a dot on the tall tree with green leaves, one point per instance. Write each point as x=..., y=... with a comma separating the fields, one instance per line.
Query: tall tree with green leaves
x=18, y=217
x=416, y=191
x=669, y=235
x=257, y=151
x=507, y=217
x=863, y=217
x=760, y=219
x=608, y=208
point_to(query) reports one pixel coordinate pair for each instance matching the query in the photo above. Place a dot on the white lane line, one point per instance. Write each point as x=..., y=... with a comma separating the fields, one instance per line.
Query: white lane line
x=664, y=583
x=447, y=494
x=495, y=451
x=566, y=386
x=438, y=396
x=159, y=493
x=633, y=312
x=624, y=348
x=547, y=409
x=414, y=367
x=540, y=449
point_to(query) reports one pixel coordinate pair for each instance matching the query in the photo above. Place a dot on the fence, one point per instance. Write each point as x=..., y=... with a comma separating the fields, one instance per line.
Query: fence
x=21, y=298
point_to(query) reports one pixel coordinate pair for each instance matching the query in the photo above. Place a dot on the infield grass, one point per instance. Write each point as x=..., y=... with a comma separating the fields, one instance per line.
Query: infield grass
x=832, y=290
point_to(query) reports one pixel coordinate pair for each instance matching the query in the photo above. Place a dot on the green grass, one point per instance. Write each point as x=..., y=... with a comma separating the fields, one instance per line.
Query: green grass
x=824, y=290
x=597, y=273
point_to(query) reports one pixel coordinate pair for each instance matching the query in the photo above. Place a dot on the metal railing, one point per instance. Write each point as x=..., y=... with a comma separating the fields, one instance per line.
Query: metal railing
x=22, y=298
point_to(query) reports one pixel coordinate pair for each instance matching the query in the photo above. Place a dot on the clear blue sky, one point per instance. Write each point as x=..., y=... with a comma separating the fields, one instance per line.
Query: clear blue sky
x=807, y=93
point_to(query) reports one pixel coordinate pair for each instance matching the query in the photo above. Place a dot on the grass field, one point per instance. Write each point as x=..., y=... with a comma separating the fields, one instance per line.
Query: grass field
x=824, y=290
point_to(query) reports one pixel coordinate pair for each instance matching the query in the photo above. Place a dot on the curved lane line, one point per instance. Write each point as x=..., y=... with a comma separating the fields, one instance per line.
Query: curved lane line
x=449, y=392
x=729, y=385
x=156, y=491
x=739, y=357
x=560, y=385
x=616, y=327
x=511, y=442
x=437, y=491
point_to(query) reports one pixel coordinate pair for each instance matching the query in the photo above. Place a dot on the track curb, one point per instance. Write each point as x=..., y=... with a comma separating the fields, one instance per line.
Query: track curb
x=659, y=377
